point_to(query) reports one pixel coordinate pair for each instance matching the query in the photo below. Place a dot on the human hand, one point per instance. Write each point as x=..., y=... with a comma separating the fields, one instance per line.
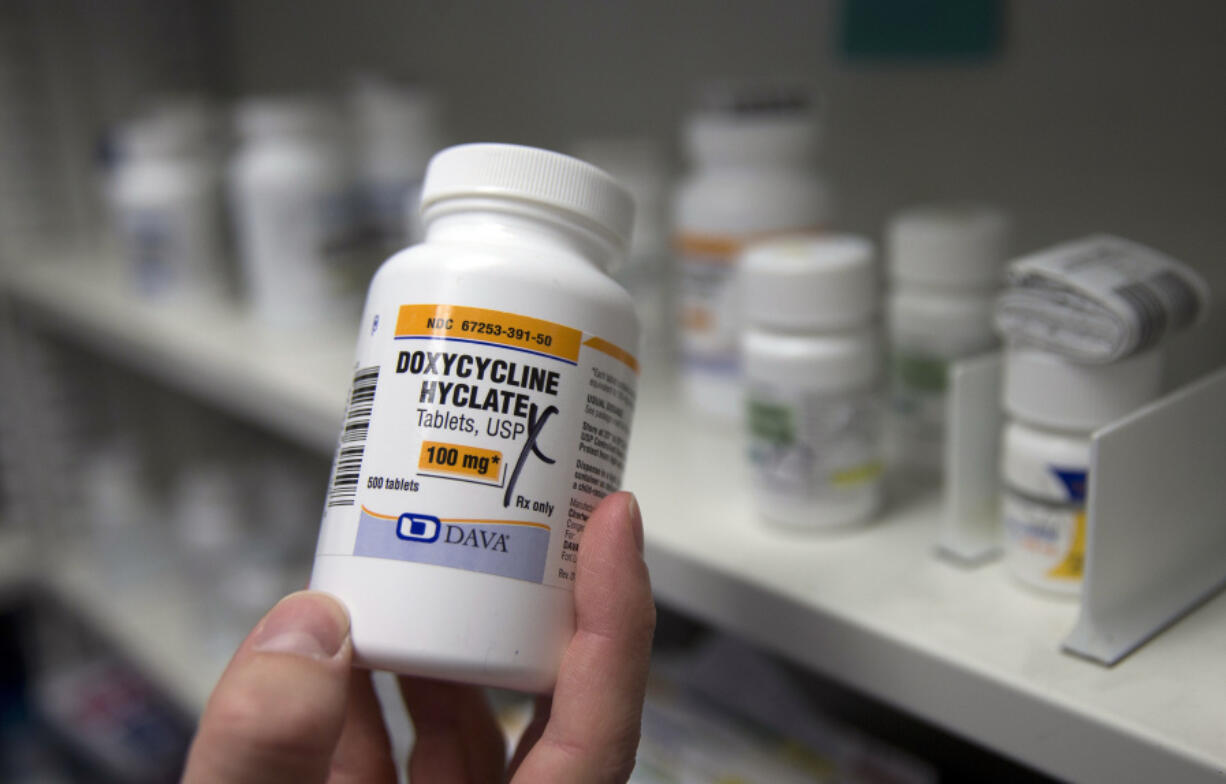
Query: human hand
x=290, y=708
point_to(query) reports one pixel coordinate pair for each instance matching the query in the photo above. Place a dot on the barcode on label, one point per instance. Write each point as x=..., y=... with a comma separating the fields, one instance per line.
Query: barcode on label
x=1160, y=302
x=347, y=468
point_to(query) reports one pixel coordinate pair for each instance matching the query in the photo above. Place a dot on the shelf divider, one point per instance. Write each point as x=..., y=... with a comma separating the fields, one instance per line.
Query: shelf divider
x=1156, y=536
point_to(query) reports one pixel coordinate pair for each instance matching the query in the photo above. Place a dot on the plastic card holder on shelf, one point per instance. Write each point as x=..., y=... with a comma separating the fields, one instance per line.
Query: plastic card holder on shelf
x=970, y=522
x=1156, y=540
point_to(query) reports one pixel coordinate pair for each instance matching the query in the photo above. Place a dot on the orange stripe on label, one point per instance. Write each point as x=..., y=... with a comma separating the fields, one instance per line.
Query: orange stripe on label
x=464, y=520
x=708, y=245
x=617, y=352
x=493, y=522
x=489, y=326
x=724, y=248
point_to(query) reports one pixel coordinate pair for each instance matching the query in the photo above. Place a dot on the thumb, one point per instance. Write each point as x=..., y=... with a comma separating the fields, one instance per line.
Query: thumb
x=277, y=711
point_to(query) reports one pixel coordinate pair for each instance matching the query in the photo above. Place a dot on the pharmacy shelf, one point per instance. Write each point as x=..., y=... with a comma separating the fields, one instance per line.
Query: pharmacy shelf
x=963, y=648
x=291, y=382
x=159, y=623
x=876, y=609
x=156, y=622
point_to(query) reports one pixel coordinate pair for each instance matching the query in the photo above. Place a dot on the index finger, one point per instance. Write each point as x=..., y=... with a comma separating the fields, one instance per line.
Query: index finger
x=592, y=732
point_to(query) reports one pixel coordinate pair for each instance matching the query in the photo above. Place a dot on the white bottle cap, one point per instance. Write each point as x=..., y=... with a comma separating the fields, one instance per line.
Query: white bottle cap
x=528, y=174
x=281, y=115
x=1049, y=390
x=961, y=246
x=753, y=123
x=812, y=282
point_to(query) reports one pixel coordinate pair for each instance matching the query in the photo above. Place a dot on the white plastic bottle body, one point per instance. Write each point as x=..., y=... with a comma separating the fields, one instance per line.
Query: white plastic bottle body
x=1045, y=474
x=814, y=422
x=294, y=218
x=929, y=330
x=945, y=271
x=1055, y=405
x=717, y=211
x=169, y=226
x=495, y=363
x=391, y=173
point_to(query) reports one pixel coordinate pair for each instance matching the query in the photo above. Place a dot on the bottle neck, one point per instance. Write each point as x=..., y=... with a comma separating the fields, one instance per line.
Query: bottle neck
x=528, y=226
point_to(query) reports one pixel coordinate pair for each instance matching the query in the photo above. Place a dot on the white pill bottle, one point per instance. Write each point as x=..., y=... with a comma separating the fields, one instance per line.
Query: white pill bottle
x=294, y=213
x=946, y=268
x=399, y=128
x=812, y=357
x=490, y=412
x=754, y=174
x=1054, y=406
x=167, y=197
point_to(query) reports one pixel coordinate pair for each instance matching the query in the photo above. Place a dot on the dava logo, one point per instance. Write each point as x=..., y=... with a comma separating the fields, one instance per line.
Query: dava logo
x=418, y=528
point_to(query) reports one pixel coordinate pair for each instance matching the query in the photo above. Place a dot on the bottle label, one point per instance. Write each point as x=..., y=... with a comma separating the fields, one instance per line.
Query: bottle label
x=812, y=446
x=708, y=306
x=1099, y=299
x=152, y=243
x=481, y=440
x=918, y=382
x=1045, y=538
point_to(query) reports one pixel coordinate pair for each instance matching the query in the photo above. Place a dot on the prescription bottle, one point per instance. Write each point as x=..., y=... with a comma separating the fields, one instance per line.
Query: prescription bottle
x=489, y=413
x=753, y=173
x=167, y=201
x=1054, y=406
x=945, y=267
x=399, y=128
x=294, y=212
x=811, y=354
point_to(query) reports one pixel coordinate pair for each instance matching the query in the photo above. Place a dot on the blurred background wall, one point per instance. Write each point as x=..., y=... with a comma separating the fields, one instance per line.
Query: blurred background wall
x=1092, y=116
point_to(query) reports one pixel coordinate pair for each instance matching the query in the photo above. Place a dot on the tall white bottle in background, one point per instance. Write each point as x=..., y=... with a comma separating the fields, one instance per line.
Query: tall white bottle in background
x=753, y=154
x=294, y=214
x=946, y=266
x=398, y=128
x=167, y=204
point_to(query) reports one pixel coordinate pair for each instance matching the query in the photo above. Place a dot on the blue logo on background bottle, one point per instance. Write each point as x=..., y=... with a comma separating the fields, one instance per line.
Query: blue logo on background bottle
x=418, y=528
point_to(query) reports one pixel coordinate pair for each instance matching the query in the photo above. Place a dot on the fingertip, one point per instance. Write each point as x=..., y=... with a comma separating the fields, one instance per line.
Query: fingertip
x=636, y=519
x=311, y=624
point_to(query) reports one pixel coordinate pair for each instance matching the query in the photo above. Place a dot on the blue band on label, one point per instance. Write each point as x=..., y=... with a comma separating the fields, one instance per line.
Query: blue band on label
x=1074, y=482
x=512, y=550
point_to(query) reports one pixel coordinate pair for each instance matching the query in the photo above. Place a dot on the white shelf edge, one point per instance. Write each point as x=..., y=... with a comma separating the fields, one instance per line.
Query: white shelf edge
x=293, y=383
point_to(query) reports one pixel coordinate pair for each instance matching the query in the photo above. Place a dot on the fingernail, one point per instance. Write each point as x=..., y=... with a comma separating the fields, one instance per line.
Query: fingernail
x=307, y=623
x=636, y=520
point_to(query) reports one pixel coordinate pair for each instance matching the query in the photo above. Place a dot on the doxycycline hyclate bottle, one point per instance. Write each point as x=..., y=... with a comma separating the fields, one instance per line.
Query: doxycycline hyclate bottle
x=490, y=412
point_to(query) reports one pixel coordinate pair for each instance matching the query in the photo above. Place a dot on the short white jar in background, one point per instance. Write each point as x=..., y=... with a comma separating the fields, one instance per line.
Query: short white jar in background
x=811, y=356
x=753, y=152
x=294, y=213
x=1054, y=406
x=945, y=267
x=167, y=202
